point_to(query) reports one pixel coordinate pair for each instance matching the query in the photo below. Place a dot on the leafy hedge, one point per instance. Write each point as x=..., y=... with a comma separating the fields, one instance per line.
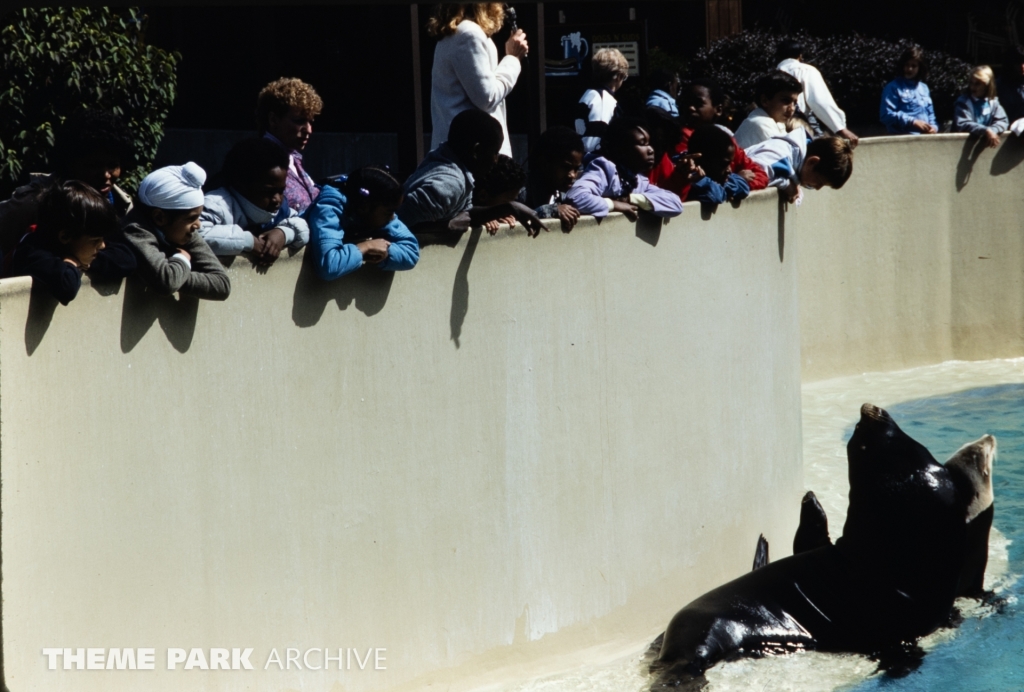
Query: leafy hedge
x=56, y=60
x=856, y=68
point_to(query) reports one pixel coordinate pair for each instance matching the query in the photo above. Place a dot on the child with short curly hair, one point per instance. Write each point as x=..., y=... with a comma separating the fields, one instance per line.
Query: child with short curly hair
x=285, y=110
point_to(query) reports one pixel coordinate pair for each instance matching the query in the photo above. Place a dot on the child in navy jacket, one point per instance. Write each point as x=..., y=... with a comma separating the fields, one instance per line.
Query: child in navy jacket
x=70, y=237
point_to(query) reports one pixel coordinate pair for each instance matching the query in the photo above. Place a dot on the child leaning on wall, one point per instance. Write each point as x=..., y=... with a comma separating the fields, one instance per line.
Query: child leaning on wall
x=554, y=165
x=70, y=236
x=977, y=110
x=791, y=162
x=250, y=214
x=617, y=179
x=353, y=223
x=162, y=229
x=439, y=193
x=502, y=184
x=777, y=95
x=713, y=177
x=701, y=102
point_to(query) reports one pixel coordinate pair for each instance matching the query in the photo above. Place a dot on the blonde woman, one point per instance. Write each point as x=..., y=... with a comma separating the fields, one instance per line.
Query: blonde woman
x=978, y=111
x=467, y=73
x=597, y=105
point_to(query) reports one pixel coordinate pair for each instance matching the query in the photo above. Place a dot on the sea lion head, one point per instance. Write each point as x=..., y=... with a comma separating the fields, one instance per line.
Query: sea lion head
x=878, y=444
x=971, y=465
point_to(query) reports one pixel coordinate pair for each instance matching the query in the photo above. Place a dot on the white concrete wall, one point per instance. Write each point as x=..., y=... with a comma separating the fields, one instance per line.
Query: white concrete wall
x=919, y=259
x=522, y=445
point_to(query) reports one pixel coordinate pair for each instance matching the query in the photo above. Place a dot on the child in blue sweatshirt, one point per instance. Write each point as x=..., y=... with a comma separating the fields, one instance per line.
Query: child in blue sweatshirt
x=354, y=223
x=906, y=107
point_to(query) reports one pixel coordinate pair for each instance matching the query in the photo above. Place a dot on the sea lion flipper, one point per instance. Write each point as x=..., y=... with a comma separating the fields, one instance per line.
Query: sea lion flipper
x=761, y=553
x=813, y=530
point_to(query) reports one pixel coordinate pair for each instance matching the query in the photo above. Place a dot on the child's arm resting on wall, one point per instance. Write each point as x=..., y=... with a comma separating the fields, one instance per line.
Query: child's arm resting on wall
x=332, y=256
x=207, y=279
x=217, y=229
x=404, y=251
x=164, y=275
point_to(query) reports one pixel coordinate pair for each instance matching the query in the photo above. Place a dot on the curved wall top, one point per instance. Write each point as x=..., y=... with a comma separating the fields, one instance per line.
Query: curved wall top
x=918, y=259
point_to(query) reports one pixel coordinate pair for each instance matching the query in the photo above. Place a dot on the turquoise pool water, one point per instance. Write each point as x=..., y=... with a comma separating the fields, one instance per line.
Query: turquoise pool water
x=987, y=653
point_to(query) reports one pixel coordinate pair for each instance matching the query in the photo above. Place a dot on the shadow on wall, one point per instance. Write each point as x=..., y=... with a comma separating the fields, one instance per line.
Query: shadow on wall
x=460, y=290
x=367, y=289
x=41, y=306
x=1009, y=155
x=973, y=148
x=783, y=207
x=142, y=307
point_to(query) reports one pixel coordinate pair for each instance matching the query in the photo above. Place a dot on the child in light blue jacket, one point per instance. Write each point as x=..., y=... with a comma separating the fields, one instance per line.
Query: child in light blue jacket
x=906, y=107
x=977, y=111
x=354, y=224
x=250, y=213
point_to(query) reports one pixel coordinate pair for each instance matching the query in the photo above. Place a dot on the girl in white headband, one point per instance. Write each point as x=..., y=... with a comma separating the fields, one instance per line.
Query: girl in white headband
x=161, y=229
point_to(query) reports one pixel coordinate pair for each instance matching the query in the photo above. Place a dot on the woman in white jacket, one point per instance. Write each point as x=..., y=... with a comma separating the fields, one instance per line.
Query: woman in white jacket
x=467, y=73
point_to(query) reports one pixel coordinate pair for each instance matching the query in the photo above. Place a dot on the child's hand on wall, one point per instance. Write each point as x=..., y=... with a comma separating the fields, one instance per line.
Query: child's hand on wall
x=568, y=215
x=747, y=175
x=629, y=210
x=493, y=226
x=923, y=127
x=528, y=217
x=374, y=250
x=991, y=138
x=273, y=243
x=792, y=193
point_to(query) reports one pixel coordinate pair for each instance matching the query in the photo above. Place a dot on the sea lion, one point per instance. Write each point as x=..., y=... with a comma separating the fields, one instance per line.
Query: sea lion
x=971, y=470
x=891, y=578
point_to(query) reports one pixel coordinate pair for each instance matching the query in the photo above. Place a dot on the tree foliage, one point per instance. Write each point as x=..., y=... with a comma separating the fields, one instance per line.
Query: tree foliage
x=56, y=60
x=856, y=69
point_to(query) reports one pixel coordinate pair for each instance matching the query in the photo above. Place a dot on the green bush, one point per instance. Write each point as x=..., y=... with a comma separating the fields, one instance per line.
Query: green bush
x=856, y=68
x=56, y=60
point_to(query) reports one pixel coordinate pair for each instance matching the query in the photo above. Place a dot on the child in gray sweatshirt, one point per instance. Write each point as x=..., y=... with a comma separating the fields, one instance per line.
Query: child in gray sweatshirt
x=161, y=230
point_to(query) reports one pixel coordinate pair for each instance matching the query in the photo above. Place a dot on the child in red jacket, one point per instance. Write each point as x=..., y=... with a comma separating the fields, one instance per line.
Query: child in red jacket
x=700, y=103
